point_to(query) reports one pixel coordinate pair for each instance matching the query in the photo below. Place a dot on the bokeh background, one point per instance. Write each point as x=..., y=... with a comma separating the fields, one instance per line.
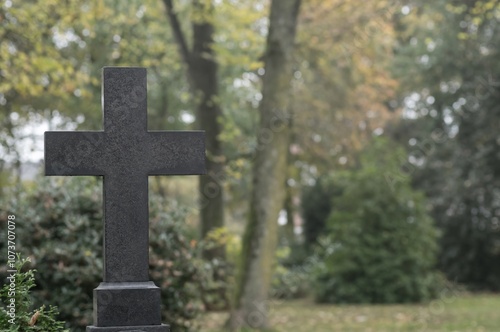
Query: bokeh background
x=383, y=117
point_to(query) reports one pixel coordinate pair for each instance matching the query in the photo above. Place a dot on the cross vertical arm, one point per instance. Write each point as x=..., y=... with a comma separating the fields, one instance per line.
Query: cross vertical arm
x=124, y=100
x=126, y=236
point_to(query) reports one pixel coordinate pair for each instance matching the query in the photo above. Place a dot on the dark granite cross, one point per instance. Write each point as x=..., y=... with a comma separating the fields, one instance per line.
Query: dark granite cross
x=125, y=153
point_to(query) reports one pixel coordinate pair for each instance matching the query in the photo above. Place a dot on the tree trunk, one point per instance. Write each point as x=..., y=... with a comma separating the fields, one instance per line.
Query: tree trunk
x=202, y=75
x=269, y=171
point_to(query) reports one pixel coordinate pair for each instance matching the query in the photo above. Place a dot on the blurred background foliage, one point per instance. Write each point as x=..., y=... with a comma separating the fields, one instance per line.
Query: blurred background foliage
x=393, y=176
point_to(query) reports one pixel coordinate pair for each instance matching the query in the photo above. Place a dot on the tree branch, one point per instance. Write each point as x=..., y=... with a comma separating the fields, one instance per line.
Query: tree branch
x=177, y=31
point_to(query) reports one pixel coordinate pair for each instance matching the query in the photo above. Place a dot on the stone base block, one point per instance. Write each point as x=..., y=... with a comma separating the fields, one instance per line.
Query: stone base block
x=127, y=306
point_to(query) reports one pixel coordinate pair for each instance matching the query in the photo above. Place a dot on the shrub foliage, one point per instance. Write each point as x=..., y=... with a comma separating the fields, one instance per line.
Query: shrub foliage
x=18, y=316
x=59, y=225
x=382, y=244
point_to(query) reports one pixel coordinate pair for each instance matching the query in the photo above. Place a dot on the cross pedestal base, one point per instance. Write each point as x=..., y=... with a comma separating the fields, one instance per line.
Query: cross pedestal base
x=127, y=306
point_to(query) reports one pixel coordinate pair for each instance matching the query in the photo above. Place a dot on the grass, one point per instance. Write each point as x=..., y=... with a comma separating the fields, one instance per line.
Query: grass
x=465, y=313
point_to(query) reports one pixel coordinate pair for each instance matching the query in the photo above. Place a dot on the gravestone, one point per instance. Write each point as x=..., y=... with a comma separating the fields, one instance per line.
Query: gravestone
x=125, y=154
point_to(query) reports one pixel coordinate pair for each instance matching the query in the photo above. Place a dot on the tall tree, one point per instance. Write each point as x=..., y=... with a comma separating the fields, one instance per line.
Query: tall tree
x=202, y=75
x=52, y=55
x=342, y=90
x=342, y=84
x=35, y=77
x=268, y=172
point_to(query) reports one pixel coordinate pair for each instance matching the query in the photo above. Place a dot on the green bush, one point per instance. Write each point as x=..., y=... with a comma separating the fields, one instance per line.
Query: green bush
x=59, y=225
x=290, y=281
x=24, y=318
x=217, y=287
x=317, y=203
x=381, y=244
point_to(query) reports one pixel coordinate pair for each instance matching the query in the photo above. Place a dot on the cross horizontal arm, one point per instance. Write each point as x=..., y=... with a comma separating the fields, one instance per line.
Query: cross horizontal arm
x=176, y=153
x=73, y=153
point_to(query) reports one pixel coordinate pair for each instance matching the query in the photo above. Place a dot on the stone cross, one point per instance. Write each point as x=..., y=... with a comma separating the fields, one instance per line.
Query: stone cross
x=125, y=154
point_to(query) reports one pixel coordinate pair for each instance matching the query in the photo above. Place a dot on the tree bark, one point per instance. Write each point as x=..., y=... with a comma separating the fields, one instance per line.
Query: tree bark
x=202, y=75
x=269, y=171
